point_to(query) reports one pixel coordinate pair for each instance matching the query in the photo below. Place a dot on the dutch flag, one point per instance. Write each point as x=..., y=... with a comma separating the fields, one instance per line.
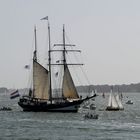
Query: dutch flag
x=14, y=94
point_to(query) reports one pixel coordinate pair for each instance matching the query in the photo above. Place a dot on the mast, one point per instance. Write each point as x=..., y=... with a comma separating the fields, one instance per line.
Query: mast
x=68, y=87
x=49, y=53
x=49, y=59
x=35, y=51
x=64, y=48
x=34, y=59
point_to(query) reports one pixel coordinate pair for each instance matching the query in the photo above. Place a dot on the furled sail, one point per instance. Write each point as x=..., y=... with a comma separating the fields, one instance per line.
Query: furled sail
x=68, y=87
x=40, y=81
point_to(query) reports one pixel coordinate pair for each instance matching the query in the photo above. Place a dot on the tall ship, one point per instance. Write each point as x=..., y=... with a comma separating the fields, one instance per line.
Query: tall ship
x=41, y=96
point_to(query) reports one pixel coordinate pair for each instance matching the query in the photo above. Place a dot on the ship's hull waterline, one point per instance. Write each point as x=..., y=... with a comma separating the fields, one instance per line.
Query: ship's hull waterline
x=44, y=107
x=66, y=106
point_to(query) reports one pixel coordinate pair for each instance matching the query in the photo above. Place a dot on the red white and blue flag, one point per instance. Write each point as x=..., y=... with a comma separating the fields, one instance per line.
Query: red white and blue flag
x=14, y=94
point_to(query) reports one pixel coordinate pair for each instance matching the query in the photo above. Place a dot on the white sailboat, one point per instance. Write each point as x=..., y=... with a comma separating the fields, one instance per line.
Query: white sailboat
x=114, y=103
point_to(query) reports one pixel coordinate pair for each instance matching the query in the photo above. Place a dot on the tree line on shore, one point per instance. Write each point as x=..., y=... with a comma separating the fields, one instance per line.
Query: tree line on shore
x=107, y=88
x=97, y=88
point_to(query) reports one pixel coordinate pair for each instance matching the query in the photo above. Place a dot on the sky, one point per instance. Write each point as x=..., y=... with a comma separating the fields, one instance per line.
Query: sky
x=107, y=32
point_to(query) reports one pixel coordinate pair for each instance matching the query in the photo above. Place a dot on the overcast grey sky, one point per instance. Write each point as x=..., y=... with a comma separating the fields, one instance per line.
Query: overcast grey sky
x=107, y=32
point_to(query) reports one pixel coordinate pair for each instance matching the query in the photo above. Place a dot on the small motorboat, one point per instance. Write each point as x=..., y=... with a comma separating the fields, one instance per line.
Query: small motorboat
x=129, y=102
x=91, y=116
x=92, y=107
x=5, y=108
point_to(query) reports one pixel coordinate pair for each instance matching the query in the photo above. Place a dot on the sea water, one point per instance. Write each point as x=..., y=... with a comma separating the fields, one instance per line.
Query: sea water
x=119, y=125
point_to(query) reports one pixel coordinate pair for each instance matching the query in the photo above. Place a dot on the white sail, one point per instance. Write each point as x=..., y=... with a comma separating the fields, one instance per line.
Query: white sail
x=110, y=100
x=114, y=102
x=119, y=102
x=40, y=81
x=68, y=87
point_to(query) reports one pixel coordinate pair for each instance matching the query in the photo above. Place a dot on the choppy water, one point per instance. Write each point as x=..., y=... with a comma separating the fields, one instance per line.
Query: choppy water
x=119, y=125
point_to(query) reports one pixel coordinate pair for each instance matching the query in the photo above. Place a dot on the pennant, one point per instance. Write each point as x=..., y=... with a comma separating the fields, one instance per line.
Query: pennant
x=45, y=18
x=14, y=94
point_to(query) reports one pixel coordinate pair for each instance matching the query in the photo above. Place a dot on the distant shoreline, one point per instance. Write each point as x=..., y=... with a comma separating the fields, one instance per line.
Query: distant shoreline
x=133, y=87
x=107, y=88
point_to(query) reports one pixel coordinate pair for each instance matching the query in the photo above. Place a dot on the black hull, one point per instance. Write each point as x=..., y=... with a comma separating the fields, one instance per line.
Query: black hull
x=61, y=107
x=112, y=109
x=28, y=104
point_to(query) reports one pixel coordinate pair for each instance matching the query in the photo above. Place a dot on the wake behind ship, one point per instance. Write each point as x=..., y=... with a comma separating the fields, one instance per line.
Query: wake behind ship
x=40, y=97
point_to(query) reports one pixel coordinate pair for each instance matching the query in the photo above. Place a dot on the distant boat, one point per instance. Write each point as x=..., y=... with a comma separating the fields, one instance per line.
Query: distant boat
x=41, y=95
x=5, y=108
x=114, y=103
x=89, y=104
x=129, y=102
x=91, y=113
x=103, y=95
x=91, y=116
x=121, y=95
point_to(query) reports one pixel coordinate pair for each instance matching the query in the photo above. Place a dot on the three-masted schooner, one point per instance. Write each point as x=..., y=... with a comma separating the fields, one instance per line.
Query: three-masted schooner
x=40, y=97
